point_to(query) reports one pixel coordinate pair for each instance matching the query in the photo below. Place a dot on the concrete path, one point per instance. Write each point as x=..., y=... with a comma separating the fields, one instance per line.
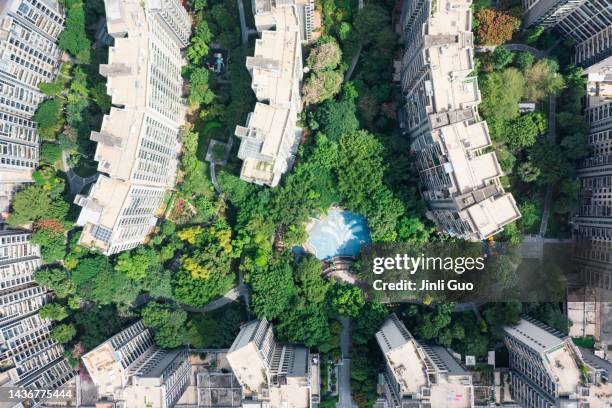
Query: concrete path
x=75, y=182
x=244, y=31
x=355, y=59
x=526, y=48
x=213, y=178
x=515, y=47
x=344, y=375
x=228, y=298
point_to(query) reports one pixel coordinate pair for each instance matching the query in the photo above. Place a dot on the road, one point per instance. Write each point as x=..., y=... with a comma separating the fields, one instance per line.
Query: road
x=344, y=374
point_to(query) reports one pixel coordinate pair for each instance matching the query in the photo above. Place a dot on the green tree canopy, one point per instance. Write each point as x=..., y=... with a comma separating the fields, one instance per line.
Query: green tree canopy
x=273, y=288
x=137, y=263
x=74, y=38
x=168, y=323
x=521, y=132
x=346, y=300
x=53, y=311
x=63, y=333
x=47, y=118
x=500, y=58
x=335, y=118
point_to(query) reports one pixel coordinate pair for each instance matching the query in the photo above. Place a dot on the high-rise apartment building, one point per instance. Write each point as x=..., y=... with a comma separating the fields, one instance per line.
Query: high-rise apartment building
x=265, y=18
x=587, y=22
x=273, y=374
x=270, y=138
x=129, y=369
x=138, y=143
x=29, y=357
x=420, y=375
x=29, y=55
x=592, y=222
x=548, y=370
x=440, y=95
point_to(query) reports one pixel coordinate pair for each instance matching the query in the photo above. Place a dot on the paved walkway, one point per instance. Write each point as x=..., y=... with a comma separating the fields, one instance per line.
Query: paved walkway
x=75, y=181
x=526, y=48
x=244, y=31
x=344, y=375
x=230, y=297
x=355, y=59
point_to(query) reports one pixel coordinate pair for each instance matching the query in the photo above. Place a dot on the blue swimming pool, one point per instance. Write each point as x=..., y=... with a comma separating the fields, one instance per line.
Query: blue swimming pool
x=339, y=233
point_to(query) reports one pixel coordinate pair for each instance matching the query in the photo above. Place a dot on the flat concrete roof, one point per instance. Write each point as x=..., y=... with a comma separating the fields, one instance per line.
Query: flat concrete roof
x=490, y=215
x=535, y=336
x=274, y=65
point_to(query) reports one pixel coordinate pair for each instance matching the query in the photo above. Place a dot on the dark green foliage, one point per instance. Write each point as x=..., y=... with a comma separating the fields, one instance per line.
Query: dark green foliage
x=501, y=57
x=372, y=19
x=168, y=324
x=533, y=34
x=551, y=161
x=335, y=118
x=369, y=320
x=273, y=289
x=550, y=314
x=96, y=280
x=90, y=267
x=521, y=132
x=502, y=314
x=217, y=329
x=96, y=324
x=524, y=60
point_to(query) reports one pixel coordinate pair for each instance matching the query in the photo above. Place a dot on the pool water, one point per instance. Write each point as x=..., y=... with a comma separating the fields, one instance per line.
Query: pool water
x=340, y=233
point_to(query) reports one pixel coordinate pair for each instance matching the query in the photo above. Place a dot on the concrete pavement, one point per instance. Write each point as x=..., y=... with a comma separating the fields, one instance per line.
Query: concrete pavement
x=344, y=375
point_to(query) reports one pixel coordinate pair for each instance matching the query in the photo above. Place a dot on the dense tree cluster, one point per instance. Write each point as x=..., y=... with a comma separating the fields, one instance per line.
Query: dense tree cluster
x=525, y=152
x=495, y=27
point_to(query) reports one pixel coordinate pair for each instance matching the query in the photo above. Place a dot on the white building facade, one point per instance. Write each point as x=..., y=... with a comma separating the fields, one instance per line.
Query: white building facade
x=29, y=55
x=130, y=370
x=139, y=141
x=29, y=357
x=440, y=96
x=270, y=139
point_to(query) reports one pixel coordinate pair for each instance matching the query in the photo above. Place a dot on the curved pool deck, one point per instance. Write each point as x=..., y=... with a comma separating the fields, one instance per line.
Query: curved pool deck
x=339, y=233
